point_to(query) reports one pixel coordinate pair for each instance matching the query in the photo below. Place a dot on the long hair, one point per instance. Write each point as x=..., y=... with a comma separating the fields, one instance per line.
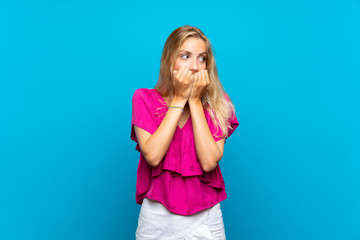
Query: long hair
x=214, y=100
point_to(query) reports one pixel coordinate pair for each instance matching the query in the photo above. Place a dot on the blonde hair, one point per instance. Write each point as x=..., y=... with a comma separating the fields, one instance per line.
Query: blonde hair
x=220, y=107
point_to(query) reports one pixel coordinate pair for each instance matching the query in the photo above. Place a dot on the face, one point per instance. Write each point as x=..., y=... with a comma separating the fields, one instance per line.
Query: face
x=192, y=54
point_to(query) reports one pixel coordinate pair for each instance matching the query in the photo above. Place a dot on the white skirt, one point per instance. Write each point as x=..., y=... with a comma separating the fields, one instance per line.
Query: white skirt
x=156, y=222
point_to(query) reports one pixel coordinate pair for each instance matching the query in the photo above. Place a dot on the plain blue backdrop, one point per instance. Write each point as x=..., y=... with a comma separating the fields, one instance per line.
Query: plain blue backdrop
x=68, y=70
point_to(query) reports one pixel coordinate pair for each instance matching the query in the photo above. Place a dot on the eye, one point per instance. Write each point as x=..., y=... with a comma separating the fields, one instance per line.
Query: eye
x=184, y=56
x=203, y=59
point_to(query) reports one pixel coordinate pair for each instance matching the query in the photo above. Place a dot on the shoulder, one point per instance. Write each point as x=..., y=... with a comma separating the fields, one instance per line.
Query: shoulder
x=144, y=94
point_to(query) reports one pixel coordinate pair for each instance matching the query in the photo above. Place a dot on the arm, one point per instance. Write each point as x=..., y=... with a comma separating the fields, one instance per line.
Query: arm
x=155, y=146
x=208, y=151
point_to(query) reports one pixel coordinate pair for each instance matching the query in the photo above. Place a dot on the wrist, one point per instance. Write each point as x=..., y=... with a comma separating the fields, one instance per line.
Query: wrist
x=195, y=101
x=176, y=101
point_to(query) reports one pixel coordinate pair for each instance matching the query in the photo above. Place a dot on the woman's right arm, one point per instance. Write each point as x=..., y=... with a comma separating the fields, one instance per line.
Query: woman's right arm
x=155, y=146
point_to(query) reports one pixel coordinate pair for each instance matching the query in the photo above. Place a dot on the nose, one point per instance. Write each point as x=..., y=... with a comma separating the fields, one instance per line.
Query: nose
x=194, y=66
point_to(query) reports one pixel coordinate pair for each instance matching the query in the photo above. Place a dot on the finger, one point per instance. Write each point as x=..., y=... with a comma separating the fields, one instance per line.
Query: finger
x=202, y=79
x=178, y=76
x=173, y=77
x=183, y=73
x=207, y=77
x=197, y=77
x=188, y=75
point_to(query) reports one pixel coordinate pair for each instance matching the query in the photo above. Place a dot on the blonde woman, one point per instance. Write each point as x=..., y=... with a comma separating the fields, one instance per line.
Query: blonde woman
x=180, y=128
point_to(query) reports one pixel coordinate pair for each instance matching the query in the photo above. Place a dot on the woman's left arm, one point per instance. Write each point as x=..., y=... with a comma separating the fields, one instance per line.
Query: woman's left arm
x=208, y=151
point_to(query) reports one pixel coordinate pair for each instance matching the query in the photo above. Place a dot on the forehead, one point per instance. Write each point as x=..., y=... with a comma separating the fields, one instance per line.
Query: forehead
x=193, y=44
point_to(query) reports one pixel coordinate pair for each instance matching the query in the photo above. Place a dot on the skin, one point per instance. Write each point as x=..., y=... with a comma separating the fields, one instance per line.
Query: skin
x=190, y=80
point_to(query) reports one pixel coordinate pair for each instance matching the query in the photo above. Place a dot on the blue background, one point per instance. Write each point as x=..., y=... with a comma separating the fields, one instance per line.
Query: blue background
x=68, y=70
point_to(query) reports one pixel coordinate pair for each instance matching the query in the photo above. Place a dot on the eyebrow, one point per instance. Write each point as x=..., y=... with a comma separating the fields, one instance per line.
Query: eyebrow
x=203, y=53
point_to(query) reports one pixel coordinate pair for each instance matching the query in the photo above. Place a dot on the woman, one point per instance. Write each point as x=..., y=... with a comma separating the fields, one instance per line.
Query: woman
x=180, y=127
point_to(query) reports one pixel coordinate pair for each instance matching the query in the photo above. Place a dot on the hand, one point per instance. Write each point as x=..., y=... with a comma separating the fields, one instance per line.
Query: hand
x=182, y=82
x=201, y=82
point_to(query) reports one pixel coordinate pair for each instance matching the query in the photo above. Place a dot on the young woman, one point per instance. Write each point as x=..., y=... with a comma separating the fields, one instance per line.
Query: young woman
x=180, y=127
